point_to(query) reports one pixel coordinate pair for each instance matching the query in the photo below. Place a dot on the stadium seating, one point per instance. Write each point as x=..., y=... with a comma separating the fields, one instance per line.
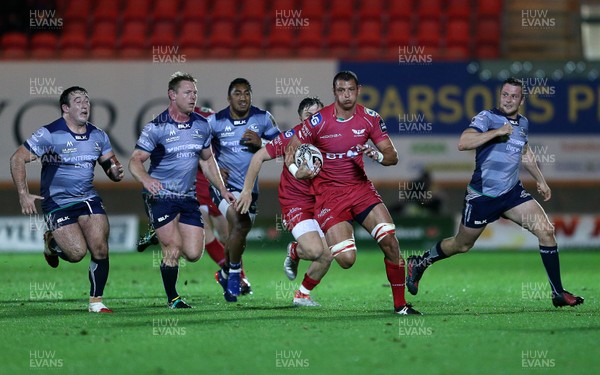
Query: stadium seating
x=371, y=30
x=44, y=45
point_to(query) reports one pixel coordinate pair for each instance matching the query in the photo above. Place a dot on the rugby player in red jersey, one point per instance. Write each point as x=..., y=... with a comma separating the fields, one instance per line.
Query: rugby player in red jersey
x=297, y=202
x=343, y=191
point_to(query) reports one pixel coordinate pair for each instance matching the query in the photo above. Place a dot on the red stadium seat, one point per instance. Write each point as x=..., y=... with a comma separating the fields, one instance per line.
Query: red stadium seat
x=107, y=10
x=429, y=9
x=487, y=52
x=14, y=45
x=458, y=32
x=163, y=34
x=373, y=9
x=310, y=40
x=136, y=10
x=428, y=33
x=75, y=27
x=312, y=9
x=191, y=39
x=73, y=45
x=339, y=39
x=489, y=8
x=341, y=10
x=133, y=40
x=255, y=10
x=399, y=33
x=250, y=39
x=369, y=33
x=44, y=45
x=77, y=11
x=400, y=10
x=165, y=10
x=224, y=10
x=194, y=10
x=281, y=42
x=459, y=9
x=488, y=32
x=456, y=53
x=221, y=39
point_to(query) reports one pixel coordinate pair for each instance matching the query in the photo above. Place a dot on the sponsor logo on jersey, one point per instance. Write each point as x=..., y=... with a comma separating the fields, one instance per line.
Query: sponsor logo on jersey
x=81, y=137
x=97, y=146
x=240, y=122
x=382, y=126
x=358, y=132
x=162, y=218
x=184, y=126
x=197, y=134
x=371, y=112
x=173, y=132
x=522, y=132
x=228, y=128
x=288, y=134
x=324, y=212
x=326, y=136
x=172, y=139
x=316, y=119
x=69, y=149
x=480, y=222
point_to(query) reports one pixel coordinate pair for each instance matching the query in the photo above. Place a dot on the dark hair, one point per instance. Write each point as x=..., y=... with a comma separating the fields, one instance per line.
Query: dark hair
x=309, y=101
x=176, y=79
x=345, y=75
x=513, y=81
x=64, y=96
x=239, y=81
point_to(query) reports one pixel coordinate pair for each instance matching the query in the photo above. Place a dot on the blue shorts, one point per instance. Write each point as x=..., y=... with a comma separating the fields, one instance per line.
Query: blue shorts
x=162, y=211
x=480, y=210
x=69, y=214
x=223, y=205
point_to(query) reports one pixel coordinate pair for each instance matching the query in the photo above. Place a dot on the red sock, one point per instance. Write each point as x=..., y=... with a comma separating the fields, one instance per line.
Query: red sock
x=308, y=284
x=397, y=278
x=293, y=252
x=216, y=251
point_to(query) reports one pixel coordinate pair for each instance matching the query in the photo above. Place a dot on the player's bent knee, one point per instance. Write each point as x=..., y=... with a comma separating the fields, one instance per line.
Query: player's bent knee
x=381, y=230
x=344, y=253
x=346, y=260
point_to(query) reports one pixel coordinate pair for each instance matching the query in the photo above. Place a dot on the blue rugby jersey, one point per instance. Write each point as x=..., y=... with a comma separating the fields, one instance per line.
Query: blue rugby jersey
x=174, y=152
x=227, y=133
x=498, y=161
x=68, y=161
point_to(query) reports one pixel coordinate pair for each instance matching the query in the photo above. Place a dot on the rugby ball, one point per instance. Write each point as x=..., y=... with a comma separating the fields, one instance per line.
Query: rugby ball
x=311, y=155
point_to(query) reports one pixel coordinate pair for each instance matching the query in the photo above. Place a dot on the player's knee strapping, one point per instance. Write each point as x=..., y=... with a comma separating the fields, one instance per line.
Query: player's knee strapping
x=383, y=229
x=342, y=247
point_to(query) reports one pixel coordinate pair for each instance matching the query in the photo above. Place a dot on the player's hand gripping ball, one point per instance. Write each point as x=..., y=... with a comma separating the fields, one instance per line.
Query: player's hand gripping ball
x=310, y=156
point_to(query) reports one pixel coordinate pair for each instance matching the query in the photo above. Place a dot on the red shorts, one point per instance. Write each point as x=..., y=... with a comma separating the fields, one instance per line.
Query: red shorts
x=203, y=195
x=292, y=215
x=336, y=205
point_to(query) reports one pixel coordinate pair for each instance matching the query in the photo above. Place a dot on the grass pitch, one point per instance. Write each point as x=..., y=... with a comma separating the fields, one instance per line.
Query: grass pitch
x=485, y=313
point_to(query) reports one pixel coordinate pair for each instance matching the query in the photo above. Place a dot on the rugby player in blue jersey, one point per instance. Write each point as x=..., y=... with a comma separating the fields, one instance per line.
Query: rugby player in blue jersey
x=500, y=138
x=237, y=133
x=68, y=150
x=175, y=142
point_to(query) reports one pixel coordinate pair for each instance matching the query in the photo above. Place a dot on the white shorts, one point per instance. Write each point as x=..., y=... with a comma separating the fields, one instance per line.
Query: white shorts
x=306, y=226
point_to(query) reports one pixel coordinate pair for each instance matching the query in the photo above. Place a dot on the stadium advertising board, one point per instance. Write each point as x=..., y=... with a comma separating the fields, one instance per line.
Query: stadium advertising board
x=26, y=233
x=572, y=231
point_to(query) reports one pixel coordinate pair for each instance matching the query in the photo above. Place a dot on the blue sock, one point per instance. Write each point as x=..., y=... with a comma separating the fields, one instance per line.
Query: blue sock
x=98, y=276
x=434, y=254
x=552, y=265
x=169, y=276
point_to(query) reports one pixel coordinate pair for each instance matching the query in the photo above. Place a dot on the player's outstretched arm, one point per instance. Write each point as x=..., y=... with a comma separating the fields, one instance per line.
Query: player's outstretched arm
x=470, y=139
x=243, y=203
x=137, y=170
x=213, y=175
x=530, y=165
x=19, y=176
x=112, y=167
